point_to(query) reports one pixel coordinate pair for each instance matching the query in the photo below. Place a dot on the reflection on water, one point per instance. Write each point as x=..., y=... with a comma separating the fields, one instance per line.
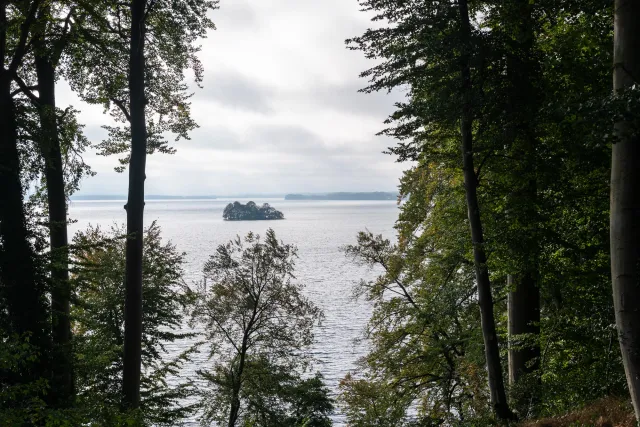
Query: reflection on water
x=318, y=228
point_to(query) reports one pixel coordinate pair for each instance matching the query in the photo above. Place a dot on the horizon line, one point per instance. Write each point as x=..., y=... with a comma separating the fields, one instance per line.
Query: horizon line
x=124, y=196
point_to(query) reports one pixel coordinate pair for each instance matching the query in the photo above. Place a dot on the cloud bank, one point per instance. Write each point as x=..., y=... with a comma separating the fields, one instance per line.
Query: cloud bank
x=280, y=109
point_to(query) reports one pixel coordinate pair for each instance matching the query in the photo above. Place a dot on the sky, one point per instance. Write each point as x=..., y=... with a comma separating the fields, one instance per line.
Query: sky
x=279, y=111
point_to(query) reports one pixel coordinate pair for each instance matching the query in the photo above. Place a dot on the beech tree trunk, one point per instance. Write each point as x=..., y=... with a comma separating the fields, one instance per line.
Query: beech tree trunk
x=135, y=211
x=524, y=105
x=625, y=199
x=22, y=292
x=523, y=307
x=524, y=317
x=485, y=299
x=62, y=366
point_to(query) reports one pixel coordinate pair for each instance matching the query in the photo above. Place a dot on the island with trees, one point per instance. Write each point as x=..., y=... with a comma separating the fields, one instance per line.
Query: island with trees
x=236, y=211
x=376, y=195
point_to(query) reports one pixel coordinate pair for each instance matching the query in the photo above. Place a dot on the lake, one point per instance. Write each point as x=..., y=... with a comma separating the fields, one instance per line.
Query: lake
x=318, y=228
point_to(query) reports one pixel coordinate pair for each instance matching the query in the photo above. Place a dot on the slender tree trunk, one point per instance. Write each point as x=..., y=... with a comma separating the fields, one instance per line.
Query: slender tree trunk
x=625, y=200
x=135, y=211
x=62, y=366
x=485, y=299
x=235, y=393
x=235, y=405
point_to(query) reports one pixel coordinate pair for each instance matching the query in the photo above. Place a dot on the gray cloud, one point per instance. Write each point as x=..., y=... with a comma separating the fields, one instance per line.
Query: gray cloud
x=280, y=109
x=237, y=91
x=235, y=15
x=346, y=97
x=216, y=138
x=286, y=139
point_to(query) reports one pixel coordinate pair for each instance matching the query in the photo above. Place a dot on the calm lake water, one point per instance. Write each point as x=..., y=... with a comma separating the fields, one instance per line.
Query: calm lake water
x=319, y=228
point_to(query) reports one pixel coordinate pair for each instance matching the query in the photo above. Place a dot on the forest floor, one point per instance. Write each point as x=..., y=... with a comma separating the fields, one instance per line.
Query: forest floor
x=608, y=412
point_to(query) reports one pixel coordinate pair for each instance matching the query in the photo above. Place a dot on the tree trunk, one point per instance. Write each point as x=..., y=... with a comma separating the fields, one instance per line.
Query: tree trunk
x=522, y=112
x=235, y=393
x=135, y=211
x=524, y=317
x=62, y=366
x=485, y=299
x=523, y=308
x=235, y=406
x=524, y=298
x=625, y=200
x=21, y=291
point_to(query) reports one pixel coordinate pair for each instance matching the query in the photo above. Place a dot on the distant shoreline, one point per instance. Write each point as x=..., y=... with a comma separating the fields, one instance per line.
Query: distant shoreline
x=354, y=196
x=149, y=197
x=376, y=195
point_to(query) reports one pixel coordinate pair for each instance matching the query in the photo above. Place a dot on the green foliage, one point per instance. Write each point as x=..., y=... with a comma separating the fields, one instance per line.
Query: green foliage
x=258, y=327
x=370, y=403
x=99, y=327
x=279, y=396
x=426, y=357
x=19, y=400
x=543, y=114
x=98, y=65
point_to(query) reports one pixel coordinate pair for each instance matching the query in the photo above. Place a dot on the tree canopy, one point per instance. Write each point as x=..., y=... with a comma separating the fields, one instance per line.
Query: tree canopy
x=236, y=211
x=259, y=330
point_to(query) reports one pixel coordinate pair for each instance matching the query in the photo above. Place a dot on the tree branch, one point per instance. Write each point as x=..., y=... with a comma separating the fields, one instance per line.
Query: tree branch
x=26, y=90
x=148, y=11
x=21, y=49
x=120, y=104
x=64, y=38
x=482, y=162
x=17, y=91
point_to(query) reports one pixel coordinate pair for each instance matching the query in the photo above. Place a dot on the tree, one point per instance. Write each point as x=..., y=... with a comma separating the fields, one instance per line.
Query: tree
x=518, y=96
x=259, y=328
x=135, y=209
x=432, y=48
x=625, y=199
x=57, y=208
x=421, y=366
x=238, y=212
x=99, y=265
x=51, y=34
x=541, y=112
x=134, y=65
x=48, y=145
x=371, y=403
x=23, y=285
x=485, y=298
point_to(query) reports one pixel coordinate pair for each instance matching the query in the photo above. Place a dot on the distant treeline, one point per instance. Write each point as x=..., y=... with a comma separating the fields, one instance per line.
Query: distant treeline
x=376, y=195
x=149, y=197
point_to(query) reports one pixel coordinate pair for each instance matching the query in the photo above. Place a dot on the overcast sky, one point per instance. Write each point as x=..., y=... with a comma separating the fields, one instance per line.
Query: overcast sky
x=279, y=111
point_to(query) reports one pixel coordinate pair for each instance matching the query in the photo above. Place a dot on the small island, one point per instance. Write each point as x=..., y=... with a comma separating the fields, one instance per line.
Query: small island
x=236, y=211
